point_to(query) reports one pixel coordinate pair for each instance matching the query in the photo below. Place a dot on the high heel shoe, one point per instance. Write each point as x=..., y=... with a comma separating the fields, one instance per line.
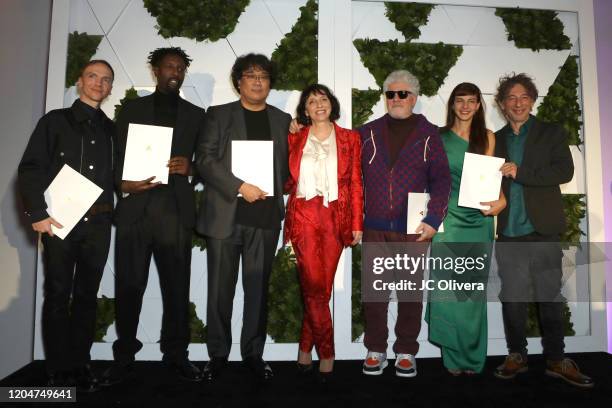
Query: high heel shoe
x=304, y=369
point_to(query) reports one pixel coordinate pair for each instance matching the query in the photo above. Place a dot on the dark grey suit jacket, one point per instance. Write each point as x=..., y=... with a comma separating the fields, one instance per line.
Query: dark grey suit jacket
x=547, y=163
x=225, y=123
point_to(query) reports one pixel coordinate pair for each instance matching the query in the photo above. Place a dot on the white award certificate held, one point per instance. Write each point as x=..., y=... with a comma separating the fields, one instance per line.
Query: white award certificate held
x=480, y=180
x=147, y=153
x=417, y=210
x=68, y=198
x=253, y=162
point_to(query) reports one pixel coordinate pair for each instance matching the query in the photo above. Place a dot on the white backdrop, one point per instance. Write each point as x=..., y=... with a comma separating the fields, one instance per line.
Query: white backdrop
x=129, y=35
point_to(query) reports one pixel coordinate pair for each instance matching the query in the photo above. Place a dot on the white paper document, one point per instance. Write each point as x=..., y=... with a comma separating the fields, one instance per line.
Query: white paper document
x=253, y=162
x=68, y=198
x=147, y=153
x=480, y=180
x=417, y=210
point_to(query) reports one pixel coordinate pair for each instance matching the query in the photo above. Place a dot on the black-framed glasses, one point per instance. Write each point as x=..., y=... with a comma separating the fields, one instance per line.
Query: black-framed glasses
x=400, y=94
x=255, y=77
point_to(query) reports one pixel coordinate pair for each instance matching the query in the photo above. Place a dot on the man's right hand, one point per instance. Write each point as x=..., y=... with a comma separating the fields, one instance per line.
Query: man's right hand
x=44, y=226
x=132, y=187
x=294, y=126
x=251, y=193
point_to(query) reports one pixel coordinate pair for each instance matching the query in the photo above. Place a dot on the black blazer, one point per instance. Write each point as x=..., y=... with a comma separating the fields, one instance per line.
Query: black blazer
x=225, y=123
x=547, y=163
x=189, y=125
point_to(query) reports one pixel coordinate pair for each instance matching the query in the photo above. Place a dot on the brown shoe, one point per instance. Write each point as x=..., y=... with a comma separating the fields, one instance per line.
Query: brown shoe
x=514, y=364
x=568, y=371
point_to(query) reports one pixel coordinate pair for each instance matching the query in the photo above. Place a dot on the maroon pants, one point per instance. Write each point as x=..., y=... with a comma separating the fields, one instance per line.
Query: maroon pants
x=408, y=323
x=317, y=247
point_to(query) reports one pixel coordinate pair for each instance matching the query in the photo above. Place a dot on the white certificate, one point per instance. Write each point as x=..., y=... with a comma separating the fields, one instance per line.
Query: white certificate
x=147, y=153
x=417, y=210
x=68, y=198
x=253, y=162
x=480, y=180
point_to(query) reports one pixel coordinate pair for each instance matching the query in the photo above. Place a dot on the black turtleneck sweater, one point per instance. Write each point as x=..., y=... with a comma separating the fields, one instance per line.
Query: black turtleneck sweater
x=400, y=133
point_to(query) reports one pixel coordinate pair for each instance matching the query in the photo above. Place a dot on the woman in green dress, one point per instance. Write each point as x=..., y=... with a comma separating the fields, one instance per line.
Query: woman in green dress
x=458, y=318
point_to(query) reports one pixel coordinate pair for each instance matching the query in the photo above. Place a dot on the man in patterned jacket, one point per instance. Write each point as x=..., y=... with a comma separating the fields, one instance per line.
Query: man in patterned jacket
x=402, y=153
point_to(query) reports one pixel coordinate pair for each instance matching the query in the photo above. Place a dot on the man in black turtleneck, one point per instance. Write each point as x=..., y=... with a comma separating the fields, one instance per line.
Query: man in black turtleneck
x=155, y=219
x=81, y=137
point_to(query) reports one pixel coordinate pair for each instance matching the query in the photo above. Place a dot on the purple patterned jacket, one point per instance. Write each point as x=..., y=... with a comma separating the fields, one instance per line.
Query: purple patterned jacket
x=421, y=167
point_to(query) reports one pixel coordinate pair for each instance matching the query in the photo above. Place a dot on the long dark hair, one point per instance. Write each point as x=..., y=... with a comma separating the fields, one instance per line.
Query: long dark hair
x=479, y=142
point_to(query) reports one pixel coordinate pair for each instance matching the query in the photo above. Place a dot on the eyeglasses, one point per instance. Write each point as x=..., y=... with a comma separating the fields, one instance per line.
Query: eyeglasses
x=254, y=77
x=400, y=94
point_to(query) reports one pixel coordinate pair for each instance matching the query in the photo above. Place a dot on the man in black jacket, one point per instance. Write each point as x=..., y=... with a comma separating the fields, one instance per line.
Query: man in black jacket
x=155, y=219
x=529, y=255
x=246, y=226
x=81, y=137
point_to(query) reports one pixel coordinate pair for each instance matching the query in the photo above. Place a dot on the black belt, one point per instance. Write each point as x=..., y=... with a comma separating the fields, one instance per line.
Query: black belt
x=100, y=209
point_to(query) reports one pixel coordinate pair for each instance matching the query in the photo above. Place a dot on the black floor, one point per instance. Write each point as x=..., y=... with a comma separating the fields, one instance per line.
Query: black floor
x=433, y=387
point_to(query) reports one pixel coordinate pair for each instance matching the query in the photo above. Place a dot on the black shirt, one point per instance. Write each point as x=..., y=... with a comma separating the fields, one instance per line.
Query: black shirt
x=79, y=136
x=165, y=108
x=261, y=213
x=95, y=164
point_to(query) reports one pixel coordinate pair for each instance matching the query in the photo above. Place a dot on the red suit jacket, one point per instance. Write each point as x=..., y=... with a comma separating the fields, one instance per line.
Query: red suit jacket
x=350, y=185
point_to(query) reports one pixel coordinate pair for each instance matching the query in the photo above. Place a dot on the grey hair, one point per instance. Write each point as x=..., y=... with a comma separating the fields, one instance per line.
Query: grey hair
x=405, y=77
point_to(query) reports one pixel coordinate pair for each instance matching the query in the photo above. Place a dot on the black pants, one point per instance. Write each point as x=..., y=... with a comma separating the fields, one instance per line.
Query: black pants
x=530, y=269
x=73, y=269
x=159, y=233
x=257, y=247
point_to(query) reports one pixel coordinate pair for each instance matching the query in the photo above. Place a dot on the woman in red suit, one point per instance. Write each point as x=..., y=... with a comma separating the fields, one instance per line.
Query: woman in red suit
x=324, y=213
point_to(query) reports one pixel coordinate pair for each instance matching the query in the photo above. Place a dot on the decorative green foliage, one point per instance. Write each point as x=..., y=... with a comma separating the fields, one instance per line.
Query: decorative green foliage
x=196, y=239
x=533, y=327
x=363, y=102
x=296, y=56
x=200, y=20
x=105, y=316
x=535, y=29
x=357, y=319
x=81, y=47
x=560, y=105
x=408, y=17
x=428, y=62
x=575, y=211
x=199, y=334
x=285, y=300
x=129, y=94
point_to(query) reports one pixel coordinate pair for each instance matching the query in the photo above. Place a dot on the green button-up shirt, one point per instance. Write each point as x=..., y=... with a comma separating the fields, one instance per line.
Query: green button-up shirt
x=518, y=221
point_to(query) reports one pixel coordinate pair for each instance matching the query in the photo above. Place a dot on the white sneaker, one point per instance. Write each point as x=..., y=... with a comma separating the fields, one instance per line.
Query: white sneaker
x=374, y=363
x=405, y=365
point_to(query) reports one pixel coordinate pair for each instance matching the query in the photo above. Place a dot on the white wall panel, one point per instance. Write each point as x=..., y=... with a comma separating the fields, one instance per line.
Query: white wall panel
x=107, y=12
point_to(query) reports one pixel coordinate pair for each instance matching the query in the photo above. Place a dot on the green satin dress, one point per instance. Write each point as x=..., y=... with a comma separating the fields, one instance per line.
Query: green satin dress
x=458, y=318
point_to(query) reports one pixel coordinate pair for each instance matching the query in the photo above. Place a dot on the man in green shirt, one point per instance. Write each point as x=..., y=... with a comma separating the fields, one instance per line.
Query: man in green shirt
x=529, y=255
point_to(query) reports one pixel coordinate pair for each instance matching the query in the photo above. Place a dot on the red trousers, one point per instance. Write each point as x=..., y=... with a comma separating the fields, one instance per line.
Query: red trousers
x=317, y=247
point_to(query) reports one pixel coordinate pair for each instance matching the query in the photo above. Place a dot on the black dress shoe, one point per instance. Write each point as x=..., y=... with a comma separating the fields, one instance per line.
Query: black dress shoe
x=185, y=370
x=85, y=379
x=213, y=368
x=259, y=368
x=116, y=374
x=60, y=379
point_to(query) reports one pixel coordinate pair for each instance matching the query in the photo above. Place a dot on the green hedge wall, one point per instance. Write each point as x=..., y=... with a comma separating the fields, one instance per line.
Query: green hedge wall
x=200, y=20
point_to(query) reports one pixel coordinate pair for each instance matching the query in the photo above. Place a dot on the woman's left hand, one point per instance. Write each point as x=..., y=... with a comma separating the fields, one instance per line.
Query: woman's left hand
x=356, y=237
x=495, y=207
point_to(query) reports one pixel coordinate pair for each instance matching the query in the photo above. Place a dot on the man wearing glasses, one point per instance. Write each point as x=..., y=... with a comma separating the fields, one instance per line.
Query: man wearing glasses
x=239, y=219
x=402, y=153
